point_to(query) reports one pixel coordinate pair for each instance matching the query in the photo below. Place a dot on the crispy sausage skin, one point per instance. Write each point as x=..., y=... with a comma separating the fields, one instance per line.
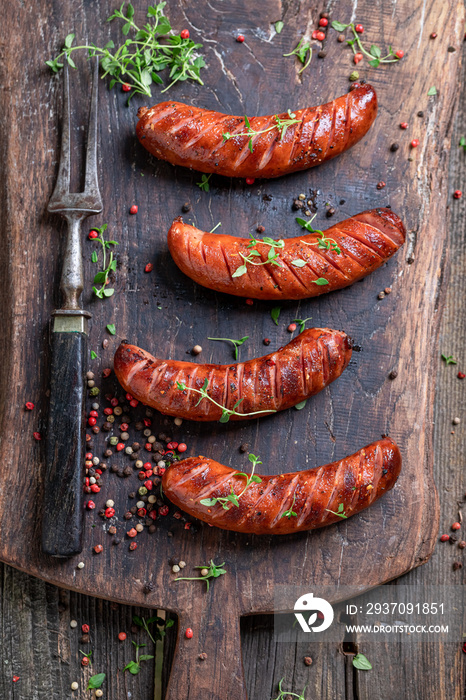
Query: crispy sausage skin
x=193, y=137
x=366, y=241
x=349, y=485
x=271, y=383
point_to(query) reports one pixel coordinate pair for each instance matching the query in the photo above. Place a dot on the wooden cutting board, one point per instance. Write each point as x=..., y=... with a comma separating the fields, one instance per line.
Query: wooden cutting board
x=167, y=314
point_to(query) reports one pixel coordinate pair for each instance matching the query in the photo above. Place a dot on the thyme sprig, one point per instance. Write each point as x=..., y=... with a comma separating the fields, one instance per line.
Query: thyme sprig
x=280, y=124
x=303, y=52
x=135, y=666
x=302, y=322
x=226, y=412
x=284, y=694
x=232, y=499
x=102, y=276
x=138, y=60
x=213, y=571
x=375, y=53
x=272, y=256
x=322, y=242
x=236, y=343
x=204, y=182
x=290, y=512
x=340, y=512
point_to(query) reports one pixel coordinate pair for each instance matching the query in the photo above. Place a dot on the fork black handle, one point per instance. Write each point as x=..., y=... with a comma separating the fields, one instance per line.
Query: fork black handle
x=65, y=447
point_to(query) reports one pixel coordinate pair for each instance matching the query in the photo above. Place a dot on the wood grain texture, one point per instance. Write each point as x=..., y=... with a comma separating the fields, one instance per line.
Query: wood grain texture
x=398, y=332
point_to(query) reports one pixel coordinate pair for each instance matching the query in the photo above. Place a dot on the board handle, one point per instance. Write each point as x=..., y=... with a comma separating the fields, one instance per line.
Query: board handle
x=214, y=619
x=64, y=447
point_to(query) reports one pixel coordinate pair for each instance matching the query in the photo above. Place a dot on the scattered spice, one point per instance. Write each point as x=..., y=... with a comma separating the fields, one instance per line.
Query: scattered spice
x=381, y=185
x=189, y=633
x=240, y=38
x=457, y=194
x=307, y=660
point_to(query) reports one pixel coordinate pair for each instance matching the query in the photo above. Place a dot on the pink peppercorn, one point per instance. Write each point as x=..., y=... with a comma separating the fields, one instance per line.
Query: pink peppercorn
x=414, y=143
x=90, y=505
x=29, y=406
x=133, y=403
x=122, y=636
x=182, y=447
x=148, y=484
x=37, y=436
x=250, y=180
x=189, y=633
x=125, y=87
x=456, y=526
x=120, y=446
x=98, y=549
x=133, y=209
x=94, y=488
x=132, y=533
x=184, y=34
x=85, y=629
x=149, y=267
x=240, y=38
x=404, y=125
x=444, y=538
x=163, y=510
x=109, y=512
x=457, y=194
x=291, y=328
x=142, y=512
x=93, y=234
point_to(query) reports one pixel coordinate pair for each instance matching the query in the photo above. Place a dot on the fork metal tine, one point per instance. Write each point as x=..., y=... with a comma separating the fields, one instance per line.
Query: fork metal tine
x=91, y=182
x=89, y=201
x=62, y=186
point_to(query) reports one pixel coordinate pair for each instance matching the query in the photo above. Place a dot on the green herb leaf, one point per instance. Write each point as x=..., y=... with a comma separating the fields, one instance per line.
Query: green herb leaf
x=204, y=183
x=93, y=355
x=375, y=51
x=69, y=40
x=145, y=657
x=320, y=281
x=94, y=256
x=240, y=271
x=374, y=63
x=300, y=405
x=111, y=328
x=96, y=681
x=236, y=345
x=132, y=667
x=109, y=292
x=432, y=91
x=361, y=662
x=275, y=314
x=449, y=360
x=463, y=143
x=339, y=27
x=299, y=263
x=279, y=26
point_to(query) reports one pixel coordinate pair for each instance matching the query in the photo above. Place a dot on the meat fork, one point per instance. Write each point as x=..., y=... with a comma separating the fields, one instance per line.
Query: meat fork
x=63, y=512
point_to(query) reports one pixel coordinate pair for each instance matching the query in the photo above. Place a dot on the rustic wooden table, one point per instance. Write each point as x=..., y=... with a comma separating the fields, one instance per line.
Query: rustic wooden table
x=38, y=645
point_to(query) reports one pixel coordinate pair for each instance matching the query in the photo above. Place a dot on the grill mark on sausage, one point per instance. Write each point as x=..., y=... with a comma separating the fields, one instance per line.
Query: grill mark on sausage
x=364, y=243
x=379, y=231
x=332, y=131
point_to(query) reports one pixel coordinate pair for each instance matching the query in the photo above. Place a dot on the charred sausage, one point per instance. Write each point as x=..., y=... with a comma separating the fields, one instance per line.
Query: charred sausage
x=317, y=497
x=193, y=137
x=263, y=385
x=306, y=266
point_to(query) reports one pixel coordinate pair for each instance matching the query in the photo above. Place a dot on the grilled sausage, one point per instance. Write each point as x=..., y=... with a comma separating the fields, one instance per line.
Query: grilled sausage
x=193, y=137
x=315, y=496
x=365, y=241
x=266, y=384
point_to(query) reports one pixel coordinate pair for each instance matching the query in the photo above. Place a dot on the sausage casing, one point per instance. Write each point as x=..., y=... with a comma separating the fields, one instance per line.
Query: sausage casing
x=316, y=496
x=365, y=241
x=271, y=383
x=193, y=137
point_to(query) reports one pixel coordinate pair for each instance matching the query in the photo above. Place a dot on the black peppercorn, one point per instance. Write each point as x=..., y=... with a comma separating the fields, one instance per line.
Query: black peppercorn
x=114, y=468
x=322, y=54
x=393, y=374
x=116, y=540
x=330, y=212
x=244, y=447
x=152, y=529
x=266, y=341
x=260, y=229
x=297, y=204
x=186, y=207
x=394, y=147
x=127, y=471
x=420, y=114
x=148, y=587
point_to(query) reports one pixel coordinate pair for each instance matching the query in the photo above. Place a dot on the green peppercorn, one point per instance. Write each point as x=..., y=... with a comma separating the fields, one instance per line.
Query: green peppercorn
x=95, y=391
x=114, y=440
x=354, y=76
x=142, y=491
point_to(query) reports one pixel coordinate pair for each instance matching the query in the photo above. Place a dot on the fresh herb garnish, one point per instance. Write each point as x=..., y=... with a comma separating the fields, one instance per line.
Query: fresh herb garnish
x=375, y=54
x=135, y=666
x=204, y=183
x=300, y=405
x=213, y=571
x=302, y=322
x=236, y=343
x=93, y=355
x=449, y=360
x=216, y=227
x=340, y=512
x=86, y=656
x=226, y=412
x=290, y=512
x=279, y=26
x=462, y=143
x=432, y=91
x=322, y=242
x=102, y=277
x=320, y=281
x=111, y=328
x=280, y=124
x=275, y=313
x=272, y=255
x=303, y=52
x=299, y=262
x=96, y=681
x=361, y=662
x=284, y=694
x=138, y=60
x=233, y=499
x=159, y=633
